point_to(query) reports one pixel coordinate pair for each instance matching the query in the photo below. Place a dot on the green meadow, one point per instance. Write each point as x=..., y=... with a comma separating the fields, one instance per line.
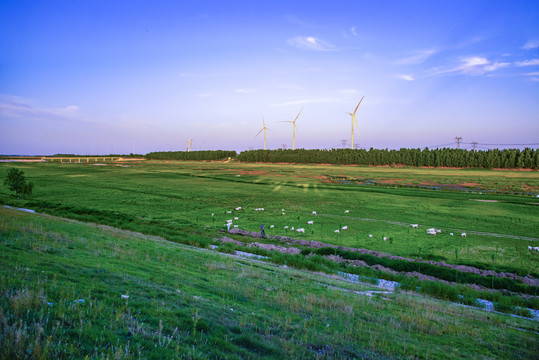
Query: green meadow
x=194, y=302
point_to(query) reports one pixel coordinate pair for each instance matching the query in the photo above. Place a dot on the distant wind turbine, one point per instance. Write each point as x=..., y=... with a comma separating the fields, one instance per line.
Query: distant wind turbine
x=354, y=120
x=294, y=130
x=188, y=144
x=264, y=128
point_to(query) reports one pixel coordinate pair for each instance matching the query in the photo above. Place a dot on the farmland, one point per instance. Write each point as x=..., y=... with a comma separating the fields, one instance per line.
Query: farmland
x=190, y=203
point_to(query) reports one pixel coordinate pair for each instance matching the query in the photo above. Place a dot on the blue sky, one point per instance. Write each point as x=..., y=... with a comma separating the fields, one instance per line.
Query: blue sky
x=99, y=77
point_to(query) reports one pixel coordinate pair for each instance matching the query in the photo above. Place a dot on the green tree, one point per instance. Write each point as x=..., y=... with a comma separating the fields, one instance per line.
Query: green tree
x=16, y=181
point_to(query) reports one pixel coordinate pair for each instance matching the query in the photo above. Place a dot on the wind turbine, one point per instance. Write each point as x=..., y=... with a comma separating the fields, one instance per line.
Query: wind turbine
x=353, y=115
x=294, y=130
x=264, y=128
x=188, y=144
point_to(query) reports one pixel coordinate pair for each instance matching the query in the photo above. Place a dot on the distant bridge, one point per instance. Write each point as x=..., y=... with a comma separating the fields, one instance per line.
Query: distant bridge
x=86, y=159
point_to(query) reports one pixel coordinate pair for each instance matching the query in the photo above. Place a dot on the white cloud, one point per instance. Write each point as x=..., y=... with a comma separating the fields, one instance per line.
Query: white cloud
x=349, y=92
x=16, y=107
x=406, y=77
x=418, y=58
x=475, y=65
x=353, y=30
x=310, y=43
x=245, y=91
x=532, y=44
x=309, y=101
x=535, y=73
x=527, y=62
x=203, y=95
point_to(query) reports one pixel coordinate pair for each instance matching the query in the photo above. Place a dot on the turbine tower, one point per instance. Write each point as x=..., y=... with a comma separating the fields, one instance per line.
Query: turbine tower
x=264, y=128
x=294, y=130
x=354, y=120
x=188, y=144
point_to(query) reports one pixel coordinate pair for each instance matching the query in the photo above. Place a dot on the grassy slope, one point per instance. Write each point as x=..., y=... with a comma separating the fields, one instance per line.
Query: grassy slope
x=181, y=196
x=192, y=303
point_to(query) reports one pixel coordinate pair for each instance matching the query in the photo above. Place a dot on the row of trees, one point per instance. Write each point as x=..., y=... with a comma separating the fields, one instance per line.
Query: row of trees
x=191, y=155
x=446, y=157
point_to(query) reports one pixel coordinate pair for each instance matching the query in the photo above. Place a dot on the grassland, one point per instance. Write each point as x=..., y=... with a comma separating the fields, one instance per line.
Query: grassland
x=175, y=201
x=62, y=284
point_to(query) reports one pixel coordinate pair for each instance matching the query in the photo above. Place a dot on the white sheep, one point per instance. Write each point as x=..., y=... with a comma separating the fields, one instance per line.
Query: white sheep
x=272, y=226
x=229, y=221
x=344, y=228
x=212, y=214
x=292, y=228
x=337, y=231
x=238, y=208
x=530, y=248
x=463, y=234
x=286, y=227
x=310, y=222
x=346, y=211
x=370, y=235
x=284, y=213
x=236, y=218
x=229, y=212
x=235, y=226
x=386, y=238
x=451, y=234
x=300, y=230
x=414, y=226
x=314, y=213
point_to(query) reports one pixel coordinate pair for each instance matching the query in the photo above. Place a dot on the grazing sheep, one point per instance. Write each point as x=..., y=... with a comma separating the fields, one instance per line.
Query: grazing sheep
x=346, y=211
x=292, y=228
x=530, y=248
x=310, y=222
x=272, y=226
x=386, y=238
x=370, y=235
x=259, y=209
x=337, y=231
x=463, y=234
x=286, y=227
x=211, y=214
x=300, y=230
x=344, y=228
x=284, y=213
x=236, y=218
x=282, y=210
x=414, y=226
x=451, y=234
x=238, y=208
x=229, y=212
x=235, y=226
x=314, y=213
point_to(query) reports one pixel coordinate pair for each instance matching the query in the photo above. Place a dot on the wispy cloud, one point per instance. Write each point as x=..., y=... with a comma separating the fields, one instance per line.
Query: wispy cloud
x=417, y=58
x=531, y=62
x=310, y=43
x=353, y=30
x=16, y=107
x=293, y=19
x=204, y=95
x=349, y=92
x=406, y=77
x=532, y=44
x=475, y=65
x=309, y=101
x=245, y=91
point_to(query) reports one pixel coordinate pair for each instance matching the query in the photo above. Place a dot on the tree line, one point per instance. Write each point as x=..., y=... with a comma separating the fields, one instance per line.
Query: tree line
x=445, y=157
x=191, y=155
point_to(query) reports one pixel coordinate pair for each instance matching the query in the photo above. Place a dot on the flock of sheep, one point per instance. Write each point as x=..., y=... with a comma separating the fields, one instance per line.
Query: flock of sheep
x=431, y=231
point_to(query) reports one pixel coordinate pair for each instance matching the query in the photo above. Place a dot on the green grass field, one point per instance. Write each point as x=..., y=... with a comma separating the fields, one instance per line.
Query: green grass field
x=62, y=284
x=180, y=298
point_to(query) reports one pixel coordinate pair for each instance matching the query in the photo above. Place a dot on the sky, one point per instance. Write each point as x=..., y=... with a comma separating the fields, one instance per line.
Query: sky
x=101, y=77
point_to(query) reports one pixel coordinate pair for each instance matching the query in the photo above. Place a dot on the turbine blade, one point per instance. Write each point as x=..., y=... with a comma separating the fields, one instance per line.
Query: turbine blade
x=297, y=116
x=358, y=104
x=263, y=123
x=259, y=132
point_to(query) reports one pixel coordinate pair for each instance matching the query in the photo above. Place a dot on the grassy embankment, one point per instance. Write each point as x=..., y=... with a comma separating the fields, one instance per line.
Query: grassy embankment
x=61, y=285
